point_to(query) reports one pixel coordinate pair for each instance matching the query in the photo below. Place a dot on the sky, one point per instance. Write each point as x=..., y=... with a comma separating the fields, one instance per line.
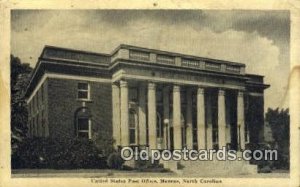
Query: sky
x=259, y=39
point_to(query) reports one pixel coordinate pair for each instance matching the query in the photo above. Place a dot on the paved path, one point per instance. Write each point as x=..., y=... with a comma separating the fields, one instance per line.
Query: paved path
x=95, y=173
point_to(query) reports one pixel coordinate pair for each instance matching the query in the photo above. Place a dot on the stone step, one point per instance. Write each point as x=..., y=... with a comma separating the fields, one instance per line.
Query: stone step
x=211, y=167
x=203, y=168
x=216, y=167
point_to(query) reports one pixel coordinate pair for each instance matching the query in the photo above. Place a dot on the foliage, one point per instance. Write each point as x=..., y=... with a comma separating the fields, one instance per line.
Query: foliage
x=58, y=154
x=148, y=166
x=264, y=166
x=279, y=121
x=115, y=161
x=20, y=74
x=104, y=142
x=17, y=68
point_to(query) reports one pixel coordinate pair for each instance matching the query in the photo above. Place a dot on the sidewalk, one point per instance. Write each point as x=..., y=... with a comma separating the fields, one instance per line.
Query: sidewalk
x=95, y=173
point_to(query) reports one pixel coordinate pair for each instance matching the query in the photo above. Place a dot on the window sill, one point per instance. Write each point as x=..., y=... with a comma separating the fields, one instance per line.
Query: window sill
x=85, y=100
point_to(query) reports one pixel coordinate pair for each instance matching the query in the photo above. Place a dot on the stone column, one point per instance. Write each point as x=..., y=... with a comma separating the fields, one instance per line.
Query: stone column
x=142, y=116
x=221, y=119
x=177, y=118
x=189, y=119
x=241, y=120
x=200, y=118
x=209, y=128
x=166, y=116
x=152, y=116
x=124, y=114
x=116, y=113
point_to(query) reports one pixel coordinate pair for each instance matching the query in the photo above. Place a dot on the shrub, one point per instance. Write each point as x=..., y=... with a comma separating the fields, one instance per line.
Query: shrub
x=115, y=161
x=148, y=166
x=104, y=142
x=31, y=153
x=58, y=154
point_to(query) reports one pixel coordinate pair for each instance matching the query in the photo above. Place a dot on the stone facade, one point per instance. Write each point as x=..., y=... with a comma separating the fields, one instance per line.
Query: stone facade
x=145, y=97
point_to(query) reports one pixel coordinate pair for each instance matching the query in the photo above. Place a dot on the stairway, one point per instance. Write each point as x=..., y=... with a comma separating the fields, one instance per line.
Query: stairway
x=199, y=168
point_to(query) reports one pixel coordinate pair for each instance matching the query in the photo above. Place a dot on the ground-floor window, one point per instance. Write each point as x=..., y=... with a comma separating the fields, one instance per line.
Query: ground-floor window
x=83, y=123
x=84, y=127
x=132, y=126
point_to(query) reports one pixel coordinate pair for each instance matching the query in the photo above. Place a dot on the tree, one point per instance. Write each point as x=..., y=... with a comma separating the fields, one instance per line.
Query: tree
x=279, y=121
x=20, y=75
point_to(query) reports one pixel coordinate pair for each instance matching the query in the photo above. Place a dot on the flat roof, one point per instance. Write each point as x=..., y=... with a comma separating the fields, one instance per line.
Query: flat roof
x=132, y=47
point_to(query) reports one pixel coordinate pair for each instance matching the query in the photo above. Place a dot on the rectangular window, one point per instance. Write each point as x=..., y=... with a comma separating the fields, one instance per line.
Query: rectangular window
x=132, y=126
x=84, y=128
x=83, y=91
